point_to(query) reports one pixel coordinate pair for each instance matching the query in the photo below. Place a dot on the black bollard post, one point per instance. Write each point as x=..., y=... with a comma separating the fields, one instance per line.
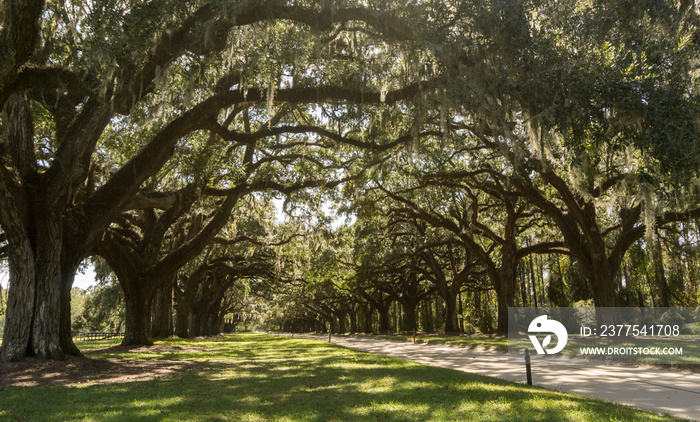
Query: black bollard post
x=528, y=370
x=414, y=336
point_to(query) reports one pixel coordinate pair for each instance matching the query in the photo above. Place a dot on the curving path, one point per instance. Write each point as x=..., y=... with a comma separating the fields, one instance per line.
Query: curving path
x=675, y=393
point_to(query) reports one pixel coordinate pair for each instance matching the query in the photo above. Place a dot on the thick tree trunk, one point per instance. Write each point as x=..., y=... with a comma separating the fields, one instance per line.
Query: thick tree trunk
x=505, y=300
x=428, y=316
x=38, y=321
x=66, y=333
x=439, y=314
x=384, y=325
x=660, y=275
x=221, y=323
x=47, y=312
x=20, y=302
x=368, y=311
x=163, y=310
x=193, y=326
x=156, y=314
x=217, y=325
x=138, y=319
x=604, y=295
x=213, y=326
x=451, y=323
x=342, y=316
x=182, y=319
x=602, y=278
x=202, y=326
x=184, y=311
x=450, y=300
x=32, y=324
x=197, y=322
x=353, y=321
x=505, y=294
x=408, y=322
x=211, y=329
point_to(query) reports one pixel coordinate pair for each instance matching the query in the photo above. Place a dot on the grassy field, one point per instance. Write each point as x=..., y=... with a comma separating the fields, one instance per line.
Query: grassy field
x=252, y=377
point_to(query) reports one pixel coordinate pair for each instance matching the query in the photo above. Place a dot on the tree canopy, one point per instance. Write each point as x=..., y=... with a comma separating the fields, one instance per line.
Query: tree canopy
x=488, y=154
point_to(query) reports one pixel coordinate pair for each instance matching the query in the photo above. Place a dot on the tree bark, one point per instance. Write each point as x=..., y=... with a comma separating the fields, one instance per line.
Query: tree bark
x=213, y=326
x=183, y=315
x=504, y=300
x=408, y=322
x=38, y=321
x=342, y=316
x=184, y=309
x=505, y=292
x=20, y=302
x=353, y=320
x=195, y=325
x=163, y=310
x=138, y=319
x=368, y=311
x=428, y=316
x=451, y=324
x=66, y=332
x=384, y=325
x=34, y=304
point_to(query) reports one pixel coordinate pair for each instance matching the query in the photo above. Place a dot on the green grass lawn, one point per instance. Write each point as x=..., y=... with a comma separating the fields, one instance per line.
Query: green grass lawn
x=252, y=377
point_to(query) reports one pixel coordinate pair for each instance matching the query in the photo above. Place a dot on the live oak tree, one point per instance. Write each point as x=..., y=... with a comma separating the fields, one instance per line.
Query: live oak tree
x=225, y=292
x=304, y=294
x=402, y=258
x=140, y=247
x=146, y=248
x=591, y=107
x=396, y=254
x=246, y=265
x=485, y=218
x=584, y=113
x=71, y=72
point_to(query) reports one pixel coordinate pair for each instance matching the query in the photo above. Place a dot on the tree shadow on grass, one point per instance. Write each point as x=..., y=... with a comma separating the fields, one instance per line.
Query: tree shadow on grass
x=75, y=371
x=309, y=381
